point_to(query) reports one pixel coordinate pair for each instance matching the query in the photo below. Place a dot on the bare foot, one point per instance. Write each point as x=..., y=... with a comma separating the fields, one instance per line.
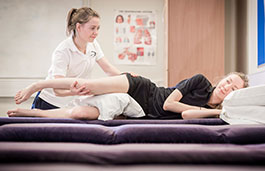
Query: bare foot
x=19, y=112
x=24, y=94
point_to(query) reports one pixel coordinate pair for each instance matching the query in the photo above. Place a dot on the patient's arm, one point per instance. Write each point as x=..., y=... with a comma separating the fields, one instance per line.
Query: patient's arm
x=187, y=111
x=172, y=103
x=203, y=113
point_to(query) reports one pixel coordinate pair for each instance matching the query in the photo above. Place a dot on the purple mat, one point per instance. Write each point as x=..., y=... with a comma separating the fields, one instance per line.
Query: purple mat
x=52, y=166
x=132, y=153
x=208, y=121
x=133, y=133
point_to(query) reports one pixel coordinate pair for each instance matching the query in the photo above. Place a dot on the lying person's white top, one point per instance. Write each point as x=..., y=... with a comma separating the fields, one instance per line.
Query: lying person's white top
x=111, y=105
x=245, y=106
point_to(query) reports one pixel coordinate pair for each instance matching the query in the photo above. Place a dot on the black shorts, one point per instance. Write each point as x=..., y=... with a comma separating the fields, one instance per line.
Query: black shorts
x=140, y=90
x=39, y=103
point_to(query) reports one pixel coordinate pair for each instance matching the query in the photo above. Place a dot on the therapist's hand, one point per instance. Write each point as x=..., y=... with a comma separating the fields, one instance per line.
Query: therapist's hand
x=79, y=90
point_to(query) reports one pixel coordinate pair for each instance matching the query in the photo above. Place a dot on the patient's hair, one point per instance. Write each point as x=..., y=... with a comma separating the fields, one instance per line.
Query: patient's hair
x=81, y=15
x=242, y=76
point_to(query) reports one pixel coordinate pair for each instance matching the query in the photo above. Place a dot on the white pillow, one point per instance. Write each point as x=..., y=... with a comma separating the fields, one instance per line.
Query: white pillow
x=246, y=96
x=245, y=106
x=243, y=114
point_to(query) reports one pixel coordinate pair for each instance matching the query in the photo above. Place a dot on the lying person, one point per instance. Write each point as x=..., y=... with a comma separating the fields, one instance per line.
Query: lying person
x=191, y=98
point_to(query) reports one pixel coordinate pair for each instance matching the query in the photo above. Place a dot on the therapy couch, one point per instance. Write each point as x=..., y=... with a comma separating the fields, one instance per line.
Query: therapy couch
x=131, y=144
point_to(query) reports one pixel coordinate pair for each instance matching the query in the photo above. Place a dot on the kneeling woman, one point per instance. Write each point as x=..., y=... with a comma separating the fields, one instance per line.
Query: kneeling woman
x=191, y=98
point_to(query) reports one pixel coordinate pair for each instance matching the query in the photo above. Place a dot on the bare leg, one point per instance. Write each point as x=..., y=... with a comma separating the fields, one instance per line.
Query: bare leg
x=114, y=84
x=78, y=112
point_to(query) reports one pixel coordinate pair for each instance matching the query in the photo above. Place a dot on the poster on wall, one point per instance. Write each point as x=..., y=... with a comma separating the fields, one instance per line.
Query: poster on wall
x=261, y=34
x=135, y=37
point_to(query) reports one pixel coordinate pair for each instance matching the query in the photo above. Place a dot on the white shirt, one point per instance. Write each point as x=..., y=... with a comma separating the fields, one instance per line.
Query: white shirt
x=68, y=61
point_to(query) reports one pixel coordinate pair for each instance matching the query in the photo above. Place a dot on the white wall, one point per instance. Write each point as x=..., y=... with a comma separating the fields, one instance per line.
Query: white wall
x=30, y=31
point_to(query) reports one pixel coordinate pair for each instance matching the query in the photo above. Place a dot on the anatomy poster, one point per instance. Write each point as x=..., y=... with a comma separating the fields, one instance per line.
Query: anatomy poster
x=135, y=37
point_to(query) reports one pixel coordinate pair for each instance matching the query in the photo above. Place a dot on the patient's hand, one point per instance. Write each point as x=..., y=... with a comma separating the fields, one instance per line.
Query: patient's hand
x=76, y=89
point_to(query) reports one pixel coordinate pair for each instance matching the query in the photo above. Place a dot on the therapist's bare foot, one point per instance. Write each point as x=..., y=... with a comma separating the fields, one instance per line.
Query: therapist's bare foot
x=19, y=112
x=25, y=94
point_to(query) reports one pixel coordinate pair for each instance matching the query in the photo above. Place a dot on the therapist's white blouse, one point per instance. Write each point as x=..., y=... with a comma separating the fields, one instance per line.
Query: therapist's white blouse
x=68, y=61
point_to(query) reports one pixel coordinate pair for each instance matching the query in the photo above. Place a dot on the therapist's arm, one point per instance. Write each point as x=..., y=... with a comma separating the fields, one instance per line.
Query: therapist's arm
x=107, y=67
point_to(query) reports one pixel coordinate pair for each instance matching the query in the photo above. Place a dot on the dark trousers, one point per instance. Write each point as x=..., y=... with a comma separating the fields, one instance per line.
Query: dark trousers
x=39, y=103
